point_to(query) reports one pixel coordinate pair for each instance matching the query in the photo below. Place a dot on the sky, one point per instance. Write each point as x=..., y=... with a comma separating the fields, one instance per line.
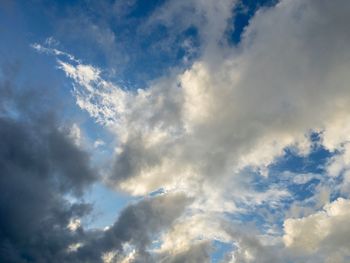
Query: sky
x=175, y=131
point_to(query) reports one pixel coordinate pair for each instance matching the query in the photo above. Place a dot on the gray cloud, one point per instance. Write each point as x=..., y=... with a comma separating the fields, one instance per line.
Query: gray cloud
x=137, y=226
x=39, y=165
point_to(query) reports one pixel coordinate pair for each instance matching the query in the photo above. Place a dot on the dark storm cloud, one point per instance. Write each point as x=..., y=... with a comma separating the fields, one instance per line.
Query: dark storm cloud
x=137, y=226
x=132, y=161
x=39, y=165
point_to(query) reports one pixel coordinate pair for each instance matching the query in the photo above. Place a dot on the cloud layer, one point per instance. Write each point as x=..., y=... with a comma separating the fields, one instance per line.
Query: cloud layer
x=199, y=146
x=235, y=108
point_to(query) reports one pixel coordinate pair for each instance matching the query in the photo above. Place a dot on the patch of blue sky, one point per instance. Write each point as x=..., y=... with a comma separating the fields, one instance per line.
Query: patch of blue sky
x=158, y=53
x=136, y=56
x=334, y=183
x=144, y=8
x=220, y=249
x=286, y=169
x=303, y=191
x=314, y=162
x=157, y=192
x=263, y=217
x=107, y=205
x=279, y=180
x=33, y=70
x=113, y=36
x=249, y=217
x=243, y=12
x=283, y=175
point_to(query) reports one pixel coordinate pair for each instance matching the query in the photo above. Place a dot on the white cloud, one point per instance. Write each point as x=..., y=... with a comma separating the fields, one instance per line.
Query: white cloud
x=75, y=134
x=184, y=233
x=74, y=247
x=99, y=143
x=325, y=232
x=74, y=224
x=235, y=108
x=52, y=51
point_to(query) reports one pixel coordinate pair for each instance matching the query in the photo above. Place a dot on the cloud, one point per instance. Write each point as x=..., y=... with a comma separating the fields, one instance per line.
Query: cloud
x=235, y=108
x=49, y=50
x=209, y=17
x=40, y=168
x=136, y=227
x=323, y=234
x=44, y=177
x=196, y=253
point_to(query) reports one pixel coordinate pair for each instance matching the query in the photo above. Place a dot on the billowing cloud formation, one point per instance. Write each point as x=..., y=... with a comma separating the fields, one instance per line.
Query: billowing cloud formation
x=43, y=178
x=39, y=167
x=324, y=234
x=136, y=227
x=221, y=116
x=206, y=129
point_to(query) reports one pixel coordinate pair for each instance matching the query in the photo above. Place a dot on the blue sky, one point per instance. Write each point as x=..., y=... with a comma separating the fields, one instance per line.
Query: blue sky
x=184, y=131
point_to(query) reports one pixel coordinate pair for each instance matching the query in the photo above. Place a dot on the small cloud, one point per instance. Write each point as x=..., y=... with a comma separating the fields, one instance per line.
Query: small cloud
x=74, y=247
x=75, y=134
x=47, y=49
x=50, y=41
x=99, y=143
x=74, y=224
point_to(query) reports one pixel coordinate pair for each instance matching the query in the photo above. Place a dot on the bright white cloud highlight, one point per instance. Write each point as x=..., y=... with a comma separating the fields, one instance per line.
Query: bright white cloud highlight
x=325, y=232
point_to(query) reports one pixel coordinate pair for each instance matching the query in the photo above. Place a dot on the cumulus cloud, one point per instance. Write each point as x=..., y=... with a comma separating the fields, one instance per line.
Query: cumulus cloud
x=239, y=109
x=324, y=234
x=233, y=109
